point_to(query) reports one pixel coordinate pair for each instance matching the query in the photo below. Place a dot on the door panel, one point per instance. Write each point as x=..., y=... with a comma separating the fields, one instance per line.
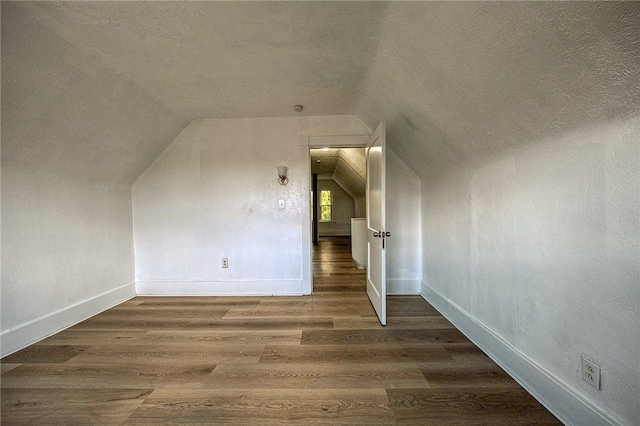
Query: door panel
x=376, y=232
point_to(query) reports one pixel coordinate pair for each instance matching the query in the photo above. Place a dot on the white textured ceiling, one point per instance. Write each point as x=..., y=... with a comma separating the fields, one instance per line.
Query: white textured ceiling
x=228, y=59
x=96, y=90
x=459, y=80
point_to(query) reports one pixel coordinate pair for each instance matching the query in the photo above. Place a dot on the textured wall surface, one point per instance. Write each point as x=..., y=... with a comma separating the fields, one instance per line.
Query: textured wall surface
x=74, y=137
x=214, y=193
x=402, y=214
x=541, y=246
x=63, y=243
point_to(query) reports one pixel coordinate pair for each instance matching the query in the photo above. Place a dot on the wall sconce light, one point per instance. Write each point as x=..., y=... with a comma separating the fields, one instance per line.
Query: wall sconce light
x=282, y=175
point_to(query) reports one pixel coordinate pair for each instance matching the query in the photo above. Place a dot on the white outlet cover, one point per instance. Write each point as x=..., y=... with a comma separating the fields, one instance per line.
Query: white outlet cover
x=591, y=372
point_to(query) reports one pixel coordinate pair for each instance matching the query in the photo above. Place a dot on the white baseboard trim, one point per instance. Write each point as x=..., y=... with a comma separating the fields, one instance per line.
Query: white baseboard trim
x=403, y=286
x=565, y=403
x=360, y=263
x=221, y=288
x=38, y=329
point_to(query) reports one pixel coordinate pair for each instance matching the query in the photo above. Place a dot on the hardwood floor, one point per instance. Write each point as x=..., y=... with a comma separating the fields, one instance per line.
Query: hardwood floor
x=320, y=359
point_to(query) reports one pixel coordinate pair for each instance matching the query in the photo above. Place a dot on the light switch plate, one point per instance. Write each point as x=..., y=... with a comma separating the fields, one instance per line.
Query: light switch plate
x=281, y=204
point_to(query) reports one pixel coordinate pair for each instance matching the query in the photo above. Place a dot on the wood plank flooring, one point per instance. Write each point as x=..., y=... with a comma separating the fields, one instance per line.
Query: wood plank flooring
x=320, y=359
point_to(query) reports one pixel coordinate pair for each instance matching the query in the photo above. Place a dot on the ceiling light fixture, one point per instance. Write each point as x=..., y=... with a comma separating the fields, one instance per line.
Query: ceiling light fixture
x=298, y=108
x=325, y=149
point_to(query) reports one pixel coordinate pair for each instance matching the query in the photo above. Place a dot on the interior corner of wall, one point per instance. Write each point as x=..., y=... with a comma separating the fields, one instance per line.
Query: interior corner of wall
x=35, y=330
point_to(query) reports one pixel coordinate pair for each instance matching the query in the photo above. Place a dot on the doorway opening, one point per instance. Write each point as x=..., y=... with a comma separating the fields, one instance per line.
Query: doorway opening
x=334, y=269
x=338, y=210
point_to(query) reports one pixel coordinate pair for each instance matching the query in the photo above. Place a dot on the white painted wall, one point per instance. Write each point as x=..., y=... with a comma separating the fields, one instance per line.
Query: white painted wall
x=538, y=251
x=214, y=193
x=360, y=204
x=404, y=252
x=343, y=209
x=359, y=242
x=67, y=253
x=75, y=135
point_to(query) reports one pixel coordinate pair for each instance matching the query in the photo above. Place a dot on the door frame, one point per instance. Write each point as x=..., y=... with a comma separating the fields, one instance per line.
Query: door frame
x=306, y=144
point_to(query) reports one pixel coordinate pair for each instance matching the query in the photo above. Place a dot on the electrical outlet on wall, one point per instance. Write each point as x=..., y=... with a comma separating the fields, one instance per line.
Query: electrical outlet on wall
x=225, y=262
x=591, y=372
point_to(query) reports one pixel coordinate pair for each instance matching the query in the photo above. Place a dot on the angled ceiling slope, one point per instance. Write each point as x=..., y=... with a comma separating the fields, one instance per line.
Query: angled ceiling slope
x=96, y=90
x=456, y=81
x=99, y=89
x=346, y=166
x=227, y=59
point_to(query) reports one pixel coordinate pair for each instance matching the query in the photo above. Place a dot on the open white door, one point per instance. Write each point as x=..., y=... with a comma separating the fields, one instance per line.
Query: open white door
x=376, y=232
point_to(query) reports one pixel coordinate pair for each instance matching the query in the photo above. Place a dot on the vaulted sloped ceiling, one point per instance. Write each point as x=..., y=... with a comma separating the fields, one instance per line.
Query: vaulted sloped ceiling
x=227, y=59
x=65, y=114
x=97, y=90
x=346, y=166
x=459, y=80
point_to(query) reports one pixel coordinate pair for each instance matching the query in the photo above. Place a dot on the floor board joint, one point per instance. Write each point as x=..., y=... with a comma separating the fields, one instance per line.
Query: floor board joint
x=318, y=359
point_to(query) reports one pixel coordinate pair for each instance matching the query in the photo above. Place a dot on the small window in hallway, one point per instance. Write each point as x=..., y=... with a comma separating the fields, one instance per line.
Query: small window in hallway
x=325, y=206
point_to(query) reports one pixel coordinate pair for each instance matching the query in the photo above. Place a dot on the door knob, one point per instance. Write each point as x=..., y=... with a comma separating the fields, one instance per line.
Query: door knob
x=382, y=234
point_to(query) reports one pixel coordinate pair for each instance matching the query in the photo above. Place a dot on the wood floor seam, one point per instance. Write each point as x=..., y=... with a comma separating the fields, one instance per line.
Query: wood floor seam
x=294, y=360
